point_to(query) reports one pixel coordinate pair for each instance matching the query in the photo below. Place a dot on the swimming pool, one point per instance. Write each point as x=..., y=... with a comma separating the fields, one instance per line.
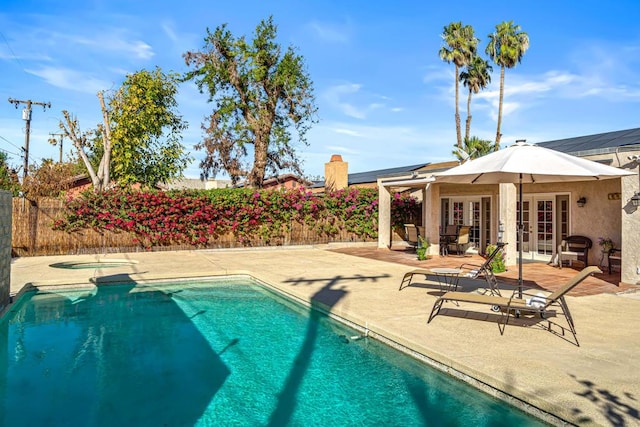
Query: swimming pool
x=214, y=353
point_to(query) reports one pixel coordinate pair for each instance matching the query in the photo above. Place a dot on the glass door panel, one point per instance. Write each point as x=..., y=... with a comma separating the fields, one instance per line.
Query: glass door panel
x=544, y=227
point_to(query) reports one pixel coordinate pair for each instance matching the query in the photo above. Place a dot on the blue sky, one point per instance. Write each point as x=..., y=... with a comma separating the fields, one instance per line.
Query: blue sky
x=384, y=97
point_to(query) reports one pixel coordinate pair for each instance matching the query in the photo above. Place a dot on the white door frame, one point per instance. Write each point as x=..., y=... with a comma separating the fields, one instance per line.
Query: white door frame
x=467, y=218
x=536, y=249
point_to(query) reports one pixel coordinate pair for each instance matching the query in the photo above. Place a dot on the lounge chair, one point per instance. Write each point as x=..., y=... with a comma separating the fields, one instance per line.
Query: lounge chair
x=472, y=271
x=514, y=306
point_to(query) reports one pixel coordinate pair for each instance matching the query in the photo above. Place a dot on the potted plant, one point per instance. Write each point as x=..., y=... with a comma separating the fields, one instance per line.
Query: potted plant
x=423, y=247
x=606, y=244
x=497, y=265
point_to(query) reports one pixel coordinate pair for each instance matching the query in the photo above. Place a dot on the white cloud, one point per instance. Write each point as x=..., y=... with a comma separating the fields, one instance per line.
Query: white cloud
x=350, y=100
x=347, y=132
x=438, y=74
x=329, y=33
x=168, y=29
x=335, y=95
x=114, y=40
x=341, y=149
x=71, y=79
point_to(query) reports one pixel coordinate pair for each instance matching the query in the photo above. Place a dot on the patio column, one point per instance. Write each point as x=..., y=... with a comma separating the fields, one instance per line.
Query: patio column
x=431, y=216
x=507, y=203
x=384, y=216
x=630, y=245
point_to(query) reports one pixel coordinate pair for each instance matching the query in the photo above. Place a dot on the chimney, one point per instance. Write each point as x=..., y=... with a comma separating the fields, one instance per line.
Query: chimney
x=336, y=174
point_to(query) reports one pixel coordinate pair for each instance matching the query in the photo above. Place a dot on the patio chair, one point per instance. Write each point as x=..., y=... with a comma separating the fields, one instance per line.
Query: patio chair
x=574, y=247
x=475, y=271
x=514, y=306
x=447, y=237
x=462, y=240
x=411, y=235
x=614, y=257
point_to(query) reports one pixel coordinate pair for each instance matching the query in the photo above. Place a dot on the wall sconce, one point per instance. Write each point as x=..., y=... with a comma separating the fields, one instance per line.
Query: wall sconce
x=500, y=231
x=635, y=200
x=582, y=201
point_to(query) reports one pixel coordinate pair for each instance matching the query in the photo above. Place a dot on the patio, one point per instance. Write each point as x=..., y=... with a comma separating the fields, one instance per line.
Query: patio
x=536, y=275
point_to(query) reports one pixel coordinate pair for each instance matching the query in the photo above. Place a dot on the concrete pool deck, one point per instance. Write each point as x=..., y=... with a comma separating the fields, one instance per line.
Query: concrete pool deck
x=597, y=383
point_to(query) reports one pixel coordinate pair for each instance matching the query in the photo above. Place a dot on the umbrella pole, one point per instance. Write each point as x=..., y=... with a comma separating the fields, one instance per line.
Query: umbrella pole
x=520, y=238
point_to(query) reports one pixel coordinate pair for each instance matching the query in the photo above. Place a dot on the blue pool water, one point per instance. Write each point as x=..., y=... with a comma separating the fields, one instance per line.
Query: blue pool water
x=214, y=353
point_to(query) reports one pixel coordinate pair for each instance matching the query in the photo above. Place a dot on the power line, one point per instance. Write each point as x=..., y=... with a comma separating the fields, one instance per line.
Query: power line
x=26, y=116
x=12, y=52
x=11, y=143
x=9, y=152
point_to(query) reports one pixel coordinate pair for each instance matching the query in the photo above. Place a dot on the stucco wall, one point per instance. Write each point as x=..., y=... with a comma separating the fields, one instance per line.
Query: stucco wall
x=5, y=247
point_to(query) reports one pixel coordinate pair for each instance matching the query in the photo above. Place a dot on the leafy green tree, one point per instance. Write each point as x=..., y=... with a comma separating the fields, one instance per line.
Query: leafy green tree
x=260, y=95
x=475, y=77
x=8, y=176
x=146, y=129
x=460, y=46
x=139, y=135
x=507, y=45
x=474, y=147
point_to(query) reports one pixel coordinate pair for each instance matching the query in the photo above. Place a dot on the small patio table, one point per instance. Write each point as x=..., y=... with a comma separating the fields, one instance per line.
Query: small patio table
x=447, y=277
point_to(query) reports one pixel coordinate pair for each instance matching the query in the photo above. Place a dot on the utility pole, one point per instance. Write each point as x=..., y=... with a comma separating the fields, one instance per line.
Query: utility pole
x=55, y=141
x=26, y=116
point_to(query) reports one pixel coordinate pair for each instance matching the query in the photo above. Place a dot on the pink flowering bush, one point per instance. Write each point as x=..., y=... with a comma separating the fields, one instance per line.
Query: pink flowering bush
x=198, y=217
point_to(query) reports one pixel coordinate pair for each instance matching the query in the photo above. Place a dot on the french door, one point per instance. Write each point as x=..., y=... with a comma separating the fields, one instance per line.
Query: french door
x=538, y=238
x=474, y=212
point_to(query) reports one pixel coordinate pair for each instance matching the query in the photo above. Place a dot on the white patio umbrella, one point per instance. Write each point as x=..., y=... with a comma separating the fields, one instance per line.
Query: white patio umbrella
x=526, y=163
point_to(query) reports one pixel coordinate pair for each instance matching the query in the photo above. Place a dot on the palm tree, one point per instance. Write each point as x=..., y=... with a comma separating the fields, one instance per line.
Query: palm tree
x=474, y=147
x=506, y=47
x=460, y=46
x=476, y=77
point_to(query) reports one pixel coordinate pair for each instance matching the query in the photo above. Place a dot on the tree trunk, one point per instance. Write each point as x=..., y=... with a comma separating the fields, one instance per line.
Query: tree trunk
x=458, y=135
x=256, y=176
x=498, y=134
x=468, y=124
x=106, y=142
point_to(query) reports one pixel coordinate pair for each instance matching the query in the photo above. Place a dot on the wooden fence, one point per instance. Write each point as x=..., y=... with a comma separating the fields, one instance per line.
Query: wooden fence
x=32, y=235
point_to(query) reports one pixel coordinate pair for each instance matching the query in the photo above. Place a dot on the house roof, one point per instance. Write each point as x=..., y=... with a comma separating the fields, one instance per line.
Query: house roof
x=372, y=176
x=600, y=143
x=274, y=180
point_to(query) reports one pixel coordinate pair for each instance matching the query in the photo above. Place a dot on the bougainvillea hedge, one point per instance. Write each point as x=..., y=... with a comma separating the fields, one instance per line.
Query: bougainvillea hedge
x=196, y=217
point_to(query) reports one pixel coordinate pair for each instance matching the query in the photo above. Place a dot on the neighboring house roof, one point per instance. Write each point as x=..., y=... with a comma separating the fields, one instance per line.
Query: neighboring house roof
x=195, y=184
x=601, y=143
x=280, y=179
x=372, y=176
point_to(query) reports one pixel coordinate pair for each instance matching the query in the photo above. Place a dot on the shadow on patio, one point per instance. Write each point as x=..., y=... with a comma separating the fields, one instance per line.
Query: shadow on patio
x=537, y=275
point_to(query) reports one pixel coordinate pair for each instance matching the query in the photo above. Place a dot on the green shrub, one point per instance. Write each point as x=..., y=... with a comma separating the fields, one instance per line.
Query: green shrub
x=497, y=265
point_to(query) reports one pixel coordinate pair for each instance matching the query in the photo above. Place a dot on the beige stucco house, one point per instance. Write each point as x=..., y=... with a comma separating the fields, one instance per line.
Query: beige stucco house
x=550, y=211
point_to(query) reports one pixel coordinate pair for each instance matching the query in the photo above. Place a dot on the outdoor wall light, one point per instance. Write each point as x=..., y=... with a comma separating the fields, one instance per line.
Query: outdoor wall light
x=635, y=200
x=582, y=201
x=500, y=231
